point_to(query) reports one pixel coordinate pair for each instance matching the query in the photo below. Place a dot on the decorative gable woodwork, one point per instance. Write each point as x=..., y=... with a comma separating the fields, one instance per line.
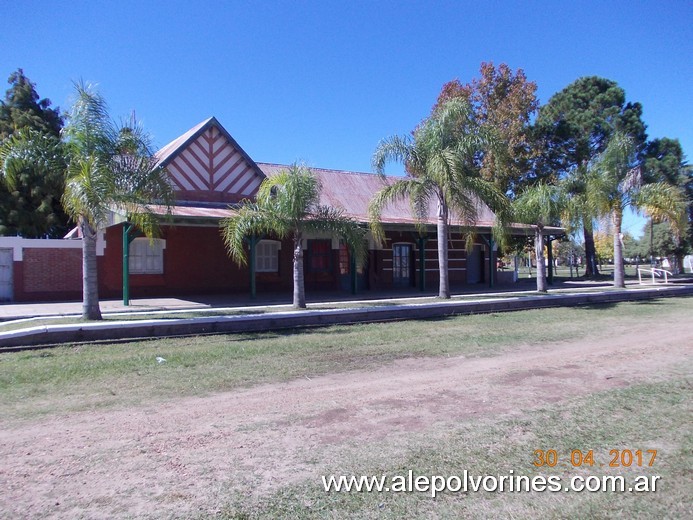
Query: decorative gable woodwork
x=207, y=165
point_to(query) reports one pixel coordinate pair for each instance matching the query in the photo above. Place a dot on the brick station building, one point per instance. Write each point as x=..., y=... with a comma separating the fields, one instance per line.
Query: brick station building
x=210, y=173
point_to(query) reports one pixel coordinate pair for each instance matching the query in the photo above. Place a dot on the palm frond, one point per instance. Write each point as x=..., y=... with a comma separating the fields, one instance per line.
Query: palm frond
x=632, y=181
x=137, y=181
x=146, y=221
x=90, y=129
x=392, y=149
x=292, y=192
x=131, y=138
x=88, y=190
x=326, y=219
x=286, y=204
x=663, y=202
x=111, y=166
x=251, y=219
x=471, y=193
x=613, y=178
x=407, y=188
x=541, y=204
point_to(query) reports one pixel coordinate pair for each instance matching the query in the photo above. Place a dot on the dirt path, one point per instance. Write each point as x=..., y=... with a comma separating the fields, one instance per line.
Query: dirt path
x=180, y=457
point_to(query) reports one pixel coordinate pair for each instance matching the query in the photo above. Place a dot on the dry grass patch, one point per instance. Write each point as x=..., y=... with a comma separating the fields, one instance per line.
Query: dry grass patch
x=71, y=378
x=646, y=416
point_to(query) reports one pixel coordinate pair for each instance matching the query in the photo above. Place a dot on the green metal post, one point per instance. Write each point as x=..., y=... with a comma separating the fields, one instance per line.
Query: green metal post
x=491, y=267
x=126, y=263
x=352, y=271
x=252, y=242
x=422, y=264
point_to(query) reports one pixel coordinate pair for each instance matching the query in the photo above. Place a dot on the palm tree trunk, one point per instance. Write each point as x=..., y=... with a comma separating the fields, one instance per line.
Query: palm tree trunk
x=444, y=285
x=678, y=263
x=619, y=269
x=299, y=287
x=90, y=284
x=591, y=268
x=541, y=265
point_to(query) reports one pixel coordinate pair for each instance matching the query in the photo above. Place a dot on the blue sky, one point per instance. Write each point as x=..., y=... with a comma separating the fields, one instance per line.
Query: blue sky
x=323, y=81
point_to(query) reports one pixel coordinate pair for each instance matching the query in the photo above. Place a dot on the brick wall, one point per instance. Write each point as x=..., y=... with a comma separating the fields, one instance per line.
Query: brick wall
x=52, y=270
x=196, y=262
x=45, y=270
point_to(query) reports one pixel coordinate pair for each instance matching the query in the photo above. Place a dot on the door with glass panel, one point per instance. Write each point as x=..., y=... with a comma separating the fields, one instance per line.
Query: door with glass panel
x=401, y=265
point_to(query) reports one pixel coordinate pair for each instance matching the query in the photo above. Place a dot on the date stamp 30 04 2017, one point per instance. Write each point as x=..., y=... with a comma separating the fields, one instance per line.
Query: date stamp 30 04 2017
x=579, y=458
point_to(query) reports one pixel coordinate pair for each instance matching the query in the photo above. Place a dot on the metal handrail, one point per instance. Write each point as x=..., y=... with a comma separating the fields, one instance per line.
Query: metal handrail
x=656, y=273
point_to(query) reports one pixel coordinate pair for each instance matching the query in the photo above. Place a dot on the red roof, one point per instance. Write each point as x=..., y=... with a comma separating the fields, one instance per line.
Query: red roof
x=349, y=191
x=352, y=192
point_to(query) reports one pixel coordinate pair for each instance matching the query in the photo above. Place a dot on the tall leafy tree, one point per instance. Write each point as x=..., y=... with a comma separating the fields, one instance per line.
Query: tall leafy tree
x=30, y=200
x=665, y=243
x=632, y=248
x=568, y=251
x=604, y=245
x=540, y=205
x=288, y=206
x=575, y=127
x=664, y=161
x=504, y=103
x=110, y=167
x=441, y=164
x=32, y=168
x=614, y=183
x=687, y=186
x=23, y=108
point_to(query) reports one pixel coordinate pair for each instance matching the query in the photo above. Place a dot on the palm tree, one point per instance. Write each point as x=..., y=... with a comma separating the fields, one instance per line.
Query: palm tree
x=615, y=183
x=441, y=164
x=540, y=205
x=288, y=206
x=110, y=167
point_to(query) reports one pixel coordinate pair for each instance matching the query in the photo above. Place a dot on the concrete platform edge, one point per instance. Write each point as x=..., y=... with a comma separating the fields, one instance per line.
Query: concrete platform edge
x=53, y=335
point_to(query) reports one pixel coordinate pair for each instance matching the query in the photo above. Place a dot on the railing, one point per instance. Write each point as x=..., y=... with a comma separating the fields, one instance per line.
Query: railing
x=656, y=273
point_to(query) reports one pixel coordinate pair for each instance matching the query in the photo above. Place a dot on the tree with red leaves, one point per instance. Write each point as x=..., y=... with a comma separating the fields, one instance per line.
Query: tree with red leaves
x=504, y=103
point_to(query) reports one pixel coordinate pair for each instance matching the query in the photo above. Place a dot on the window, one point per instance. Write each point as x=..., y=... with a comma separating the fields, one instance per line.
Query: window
x=147, y=257
x=267, y=256
x=320, y=255
x=344, y=259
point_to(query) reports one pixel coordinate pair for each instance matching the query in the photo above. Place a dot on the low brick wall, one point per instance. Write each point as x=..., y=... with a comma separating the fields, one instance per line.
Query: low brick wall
x=52, y=273
x=45, y=270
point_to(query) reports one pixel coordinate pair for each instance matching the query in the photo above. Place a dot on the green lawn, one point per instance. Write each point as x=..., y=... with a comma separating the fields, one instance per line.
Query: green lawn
x=653, y=414
x=605, y=270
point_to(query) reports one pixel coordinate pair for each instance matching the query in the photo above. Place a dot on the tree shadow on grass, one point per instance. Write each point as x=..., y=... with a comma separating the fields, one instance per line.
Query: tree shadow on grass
x=286, y=333
x=658, y=302
x=598, y=306
x=184, y=316
x=654, y=303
